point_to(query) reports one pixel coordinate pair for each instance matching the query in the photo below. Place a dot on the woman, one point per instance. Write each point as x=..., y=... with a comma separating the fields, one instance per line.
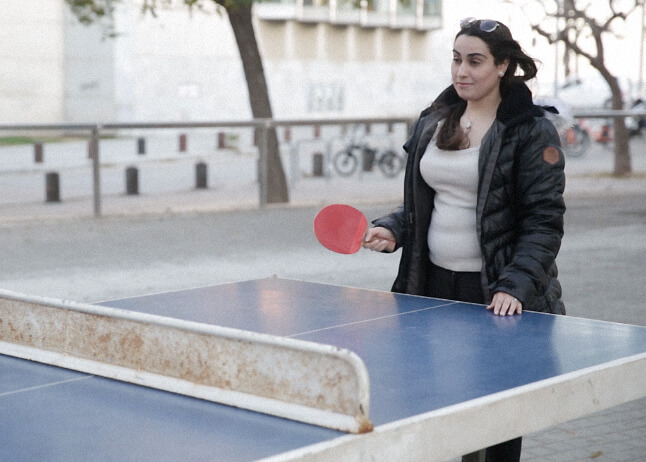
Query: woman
x=482, y=218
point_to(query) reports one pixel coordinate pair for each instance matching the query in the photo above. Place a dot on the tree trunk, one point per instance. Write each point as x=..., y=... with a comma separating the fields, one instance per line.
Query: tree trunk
x=576, y=14
x=241, y=22
x=620, y=132
x=622, y=148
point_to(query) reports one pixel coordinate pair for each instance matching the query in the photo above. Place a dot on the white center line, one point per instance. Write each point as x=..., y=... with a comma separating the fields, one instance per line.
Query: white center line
x=369, y=320
x=53, y=384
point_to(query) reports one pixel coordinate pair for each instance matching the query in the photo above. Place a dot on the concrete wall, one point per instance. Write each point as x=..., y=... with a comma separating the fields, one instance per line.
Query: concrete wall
x=32, y=61
x=325, y=70
x=177, y=67
x=89, y=79
x=186, y=67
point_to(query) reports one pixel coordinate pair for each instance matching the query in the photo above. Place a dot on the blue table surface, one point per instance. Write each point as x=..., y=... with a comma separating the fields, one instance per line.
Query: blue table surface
x=421, y=354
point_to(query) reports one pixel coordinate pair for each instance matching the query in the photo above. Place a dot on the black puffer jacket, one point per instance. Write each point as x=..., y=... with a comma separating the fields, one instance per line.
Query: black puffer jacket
x=520, y=204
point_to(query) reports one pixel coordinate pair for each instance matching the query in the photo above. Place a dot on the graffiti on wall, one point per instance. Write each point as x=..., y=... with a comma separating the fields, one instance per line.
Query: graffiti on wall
x=323, y=97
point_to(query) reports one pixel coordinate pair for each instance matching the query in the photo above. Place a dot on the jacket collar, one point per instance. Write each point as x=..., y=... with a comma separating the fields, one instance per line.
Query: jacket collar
x=516, y=105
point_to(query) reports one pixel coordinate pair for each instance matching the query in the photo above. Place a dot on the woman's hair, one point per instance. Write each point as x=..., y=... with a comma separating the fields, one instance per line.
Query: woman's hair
x=503, y=47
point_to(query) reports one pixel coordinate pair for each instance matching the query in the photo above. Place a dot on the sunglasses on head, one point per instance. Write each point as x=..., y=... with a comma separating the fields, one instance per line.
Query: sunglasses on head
x=486, y=25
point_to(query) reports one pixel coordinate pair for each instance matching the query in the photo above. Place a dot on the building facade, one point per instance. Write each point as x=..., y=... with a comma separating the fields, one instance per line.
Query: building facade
x=185, y=67
x=322, y=58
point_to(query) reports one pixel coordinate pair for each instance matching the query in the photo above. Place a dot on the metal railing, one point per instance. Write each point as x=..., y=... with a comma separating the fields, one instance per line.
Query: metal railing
x=95, y=131
x=607, y=114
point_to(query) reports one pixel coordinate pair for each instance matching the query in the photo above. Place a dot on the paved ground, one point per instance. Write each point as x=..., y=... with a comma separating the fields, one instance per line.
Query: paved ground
x=165, y=241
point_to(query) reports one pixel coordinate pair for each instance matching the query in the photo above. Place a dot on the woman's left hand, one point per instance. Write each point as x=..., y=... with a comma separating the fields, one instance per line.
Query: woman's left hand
x=504, y=304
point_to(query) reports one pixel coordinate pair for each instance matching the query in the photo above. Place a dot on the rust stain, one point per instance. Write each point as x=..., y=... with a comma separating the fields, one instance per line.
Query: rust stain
x=365, y=425
x=131, y=341
x=239, y=365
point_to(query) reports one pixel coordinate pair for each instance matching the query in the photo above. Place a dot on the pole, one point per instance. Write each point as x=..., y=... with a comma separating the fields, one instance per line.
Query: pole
x=641, y=53
x=263, y=170
x=96, y=174
x=559, y=11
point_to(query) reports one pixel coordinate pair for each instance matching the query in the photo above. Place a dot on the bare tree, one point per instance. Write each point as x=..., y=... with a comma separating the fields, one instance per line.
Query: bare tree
x=240, y=18
x=583, y=30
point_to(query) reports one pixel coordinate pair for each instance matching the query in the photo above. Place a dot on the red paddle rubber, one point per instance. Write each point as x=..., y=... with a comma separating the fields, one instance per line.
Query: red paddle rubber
x=340, y=228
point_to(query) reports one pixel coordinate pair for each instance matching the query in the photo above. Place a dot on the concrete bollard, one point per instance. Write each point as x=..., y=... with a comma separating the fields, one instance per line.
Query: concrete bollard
x=132, y=181
x=52, y=187
x=90, y=150
x=38, y=153
x=317, y=169
x=141, y=146
x=368, y=159
x=201, y=176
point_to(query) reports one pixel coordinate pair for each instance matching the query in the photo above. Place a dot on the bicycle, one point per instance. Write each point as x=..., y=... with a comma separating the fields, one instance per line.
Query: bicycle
x=346, y=161
x=576, y=139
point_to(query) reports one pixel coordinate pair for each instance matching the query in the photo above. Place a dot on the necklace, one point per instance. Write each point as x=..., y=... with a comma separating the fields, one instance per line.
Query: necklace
x=468, y=124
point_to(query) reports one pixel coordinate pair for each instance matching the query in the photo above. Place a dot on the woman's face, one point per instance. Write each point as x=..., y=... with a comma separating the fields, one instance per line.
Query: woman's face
x=475, y=75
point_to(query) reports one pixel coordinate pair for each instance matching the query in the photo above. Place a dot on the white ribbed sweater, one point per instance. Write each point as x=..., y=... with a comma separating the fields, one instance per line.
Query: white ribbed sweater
x=452, y=237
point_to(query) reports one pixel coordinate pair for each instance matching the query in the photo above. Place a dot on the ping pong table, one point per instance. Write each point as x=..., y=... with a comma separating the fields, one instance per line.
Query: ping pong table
x=445, y=379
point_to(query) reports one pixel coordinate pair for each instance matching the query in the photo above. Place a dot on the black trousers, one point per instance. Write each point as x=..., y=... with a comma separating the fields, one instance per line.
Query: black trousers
x=466, y=287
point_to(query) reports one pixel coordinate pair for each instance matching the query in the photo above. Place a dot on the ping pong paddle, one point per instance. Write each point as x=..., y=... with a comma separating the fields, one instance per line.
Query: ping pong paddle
x=340, y=228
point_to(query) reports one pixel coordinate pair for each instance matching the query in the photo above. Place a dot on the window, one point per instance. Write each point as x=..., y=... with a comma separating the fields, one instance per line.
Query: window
x=417, y=14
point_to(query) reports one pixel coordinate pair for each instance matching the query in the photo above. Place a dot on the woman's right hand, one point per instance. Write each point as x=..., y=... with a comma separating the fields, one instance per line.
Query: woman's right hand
x=379, y=239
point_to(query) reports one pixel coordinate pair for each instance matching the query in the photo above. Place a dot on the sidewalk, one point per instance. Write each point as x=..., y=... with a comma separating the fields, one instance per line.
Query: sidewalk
x=138, y=247
x=589, y=175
